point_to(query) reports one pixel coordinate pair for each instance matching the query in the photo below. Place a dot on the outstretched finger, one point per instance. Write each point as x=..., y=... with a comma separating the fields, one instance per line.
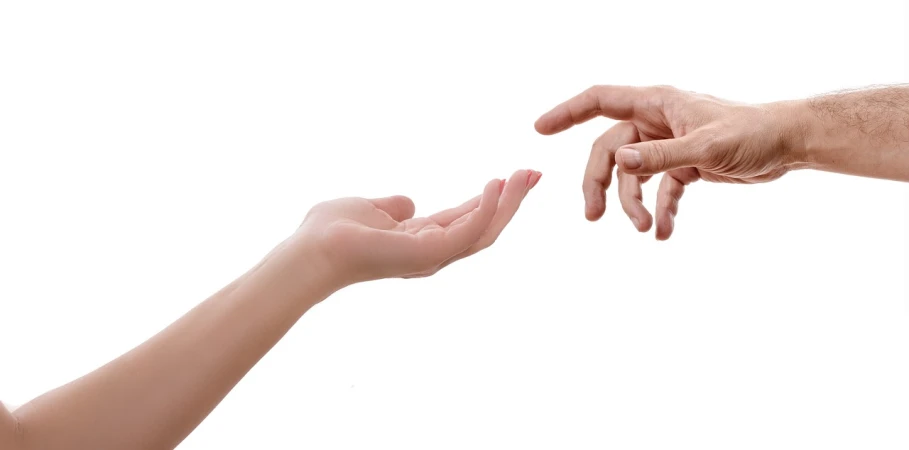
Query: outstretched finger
x=615, y=102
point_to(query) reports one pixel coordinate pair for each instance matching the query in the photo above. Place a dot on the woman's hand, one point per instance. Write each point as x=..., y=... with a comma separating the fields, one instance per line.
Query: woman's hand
x=366, y=239
x=159, y=392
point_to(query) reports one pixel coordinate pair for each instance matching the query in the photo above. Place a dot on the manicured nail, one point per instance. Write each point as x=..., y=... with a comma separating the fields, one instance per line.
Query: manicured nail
x=637, y=223
x=529, y=176
x=630, y=158
x=536, y=179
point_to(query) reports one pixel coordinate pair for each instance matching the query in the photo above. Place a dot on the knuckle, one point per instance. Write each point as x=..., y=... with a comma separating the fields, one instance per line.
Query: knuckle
x=592, y=92
x=716, y=150
x=597, y=181
x=317, y=208
x=668, y=97
x=664, y=91
x=600, y=142
x=658, y=156
x=711, y=143
x=708, y=140
x=675, y=191
x=620, y=134
x=626, y=131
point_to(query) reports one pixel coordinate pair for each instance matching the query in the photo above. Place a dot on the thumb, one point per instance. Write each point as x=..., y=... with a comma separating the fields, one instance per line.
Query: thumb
x=398, y=207
x=653, y=157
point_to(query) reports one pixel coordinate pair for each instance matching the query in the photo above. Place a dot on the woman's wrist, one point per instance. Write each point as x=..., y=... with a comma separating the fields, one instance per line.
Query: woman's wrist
x=297, y=271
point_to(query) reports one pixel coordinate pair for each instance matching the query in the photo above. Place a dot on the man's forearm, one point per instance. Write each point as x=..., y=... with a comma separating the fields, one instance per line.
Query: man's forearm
x=862, y=132
x=155, y=395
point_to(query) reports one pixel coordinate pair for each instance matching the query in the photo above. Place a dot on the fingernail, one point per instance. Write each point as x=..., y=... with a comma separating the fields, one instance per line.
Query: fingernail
x=636, y=222
x=535, y=179
x=502, y=186
x=631, y=159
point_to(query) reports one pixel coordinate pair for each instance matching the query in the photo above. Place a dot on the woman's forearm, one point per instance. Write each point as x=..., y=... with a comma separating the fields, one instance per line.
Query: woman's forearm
x=153, y=396
x=863, y=132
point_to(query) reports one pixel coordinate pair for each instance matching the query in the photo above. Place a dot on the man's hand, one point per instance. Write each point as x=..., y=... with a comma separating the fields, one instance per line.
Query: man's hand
x=366, y=239
x=689, y=136
x=686, y=136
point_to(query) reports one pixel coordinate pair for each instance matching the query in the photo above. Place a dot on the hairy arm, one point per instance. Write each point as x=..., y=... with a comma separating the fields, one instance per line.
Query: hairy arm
x=153, y=396
x=860, y=132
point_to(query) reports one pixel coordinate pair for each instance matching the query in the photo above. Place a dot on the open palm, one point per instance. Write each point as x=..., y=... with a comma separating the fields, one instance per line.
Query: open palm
x=379, y=238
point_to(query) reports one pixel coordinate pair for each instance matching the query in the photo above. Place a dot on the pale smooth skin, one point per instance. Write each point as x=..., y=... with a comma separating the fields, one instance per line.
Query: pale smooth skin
x=153, y=396
x=688, y=136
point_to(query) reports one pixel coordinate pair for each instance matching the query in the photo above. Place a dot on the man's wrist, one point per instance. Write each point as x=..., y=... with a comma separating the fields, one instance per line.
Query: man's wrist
x=800, y=131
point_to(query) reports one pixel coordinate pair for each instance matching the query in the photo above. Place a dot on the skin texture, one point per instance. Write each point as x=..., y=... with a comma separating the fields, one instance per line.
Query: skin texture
x=688, y=136
x=156, y=394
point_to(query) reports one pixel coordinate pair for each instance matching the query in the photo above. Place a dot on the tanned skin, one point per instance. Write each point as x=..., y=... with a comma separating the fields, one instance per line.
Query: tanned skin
x=688, y=136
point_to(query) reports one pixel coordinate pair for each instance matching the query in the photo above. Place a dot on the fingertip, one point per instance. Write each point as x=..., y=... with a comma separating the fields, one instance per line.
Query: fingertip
x=520, y=178
x=398, y=207
x=535, y=178
x=540, y=125
x=491, y=194
x=629, y=160
x=493, y=186
x=409, y=207
x=665, y=226
x=521, y=182
x=594, y=205
x=548, y=124
x=643, y=223
x=593, y=213
x=532, y=177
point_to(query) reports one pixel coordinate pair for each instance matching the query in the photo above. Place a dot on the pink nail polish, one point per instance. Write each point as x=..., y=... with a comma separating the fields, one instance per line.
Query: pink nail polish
x=535, y=179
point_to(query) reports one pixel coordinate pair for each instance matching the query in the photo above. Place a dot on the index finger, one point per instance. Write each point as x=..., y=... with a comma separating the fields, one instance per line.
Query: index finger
x=614, y=102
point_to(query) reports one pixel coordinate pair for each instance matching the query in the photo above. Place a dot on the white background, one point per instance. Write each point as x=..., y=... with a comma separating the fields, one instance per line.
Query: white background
x=152, y=151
